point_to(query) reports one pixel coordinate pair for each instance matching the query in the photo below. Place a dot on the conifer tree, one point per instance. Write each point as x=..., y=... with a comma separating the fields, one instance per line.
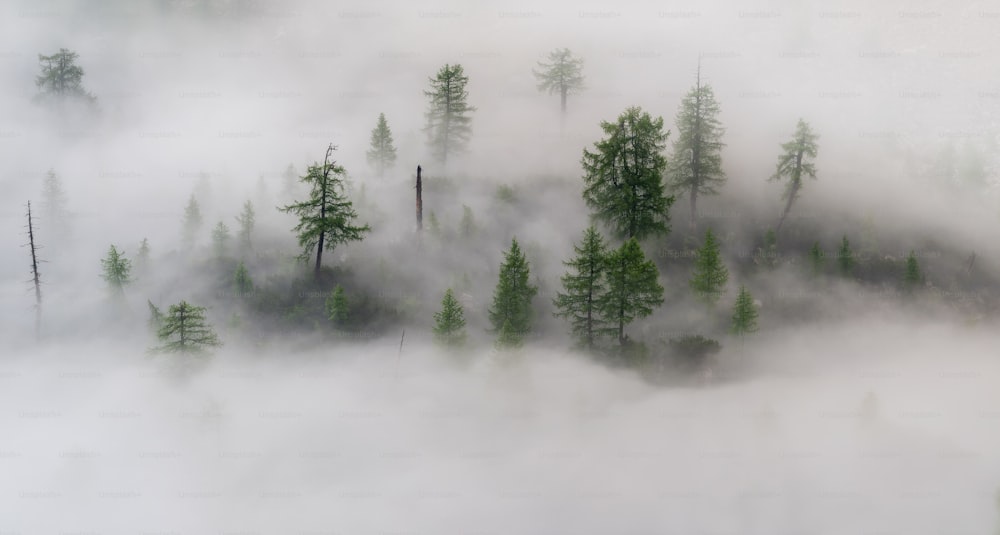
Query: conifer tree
x=326, y=217
x=912, y=278
x=845, y=257
x=220, y=239
x=697, y=151
x=584, y=285
x=116, y=271
x=632, y=290
x=247, y=220
x=382, y=154
x=624, y=176
x=449, y=323
x=185, y=330
x=511, y=313
x=192, y=223
x=744, y=314
x=769, y=250
x=449, y=126
x=337, y=308
x=61, y=79
x=241, y=281
x=142, y=257
x=156, y=317
x=563, y=75
x=795, y=163
x=54, y=203
x=710, y=275
x=817, y=259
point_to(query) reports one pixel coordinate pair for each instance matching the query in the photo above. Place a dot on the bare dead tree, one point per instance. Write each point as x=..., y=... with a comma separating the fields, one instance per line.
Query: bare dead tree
x=420, y=203
x=35, y=275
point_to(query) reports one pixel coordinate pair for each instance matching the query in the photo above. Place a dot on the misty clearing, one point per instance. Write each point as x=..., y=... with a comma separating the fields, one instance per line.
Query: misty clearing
x=450, y=268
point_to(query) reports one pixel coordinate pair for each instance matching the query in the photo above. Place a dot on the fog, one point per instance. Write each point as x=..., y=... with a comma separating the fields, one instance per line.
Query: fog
x=852, y=410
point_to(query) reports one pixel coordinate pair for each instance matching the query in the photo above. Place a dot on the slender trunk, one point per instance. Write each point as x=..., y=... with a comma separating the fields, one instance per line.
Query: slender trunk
x=621, y=307
x=420, y=202
x=324, y=191
x=34, y=273
x=788, y=207
x=562, y=101
x=694, y=206
x=590, y=310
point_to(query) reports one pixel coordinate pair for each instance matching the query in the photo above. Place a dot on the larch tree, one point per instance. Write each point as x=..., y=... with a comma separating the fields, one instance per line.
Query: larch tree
x=632, y=292
x=382, y=152
x=247, y=220
x=449, y=322
x=511, y=314
x=184, y=329
x=191, y=223
x=337, y=307
x=142, y=257
x=708, y=281
x=220, y=239
x=242, y=282
x=116, y=270
x=61, y=79
x=326, y=218
x=562, y=75
x=623, y=177
x=449, y=125
x=697, y=151
x=583, y=286
x=794, y=163
x=744, y=314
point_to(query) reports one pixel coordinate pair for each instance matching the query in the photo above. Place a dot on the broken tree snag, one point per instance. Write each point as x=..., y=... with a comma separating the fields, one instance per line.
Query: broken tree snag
x=420, y=203
x=34, y=272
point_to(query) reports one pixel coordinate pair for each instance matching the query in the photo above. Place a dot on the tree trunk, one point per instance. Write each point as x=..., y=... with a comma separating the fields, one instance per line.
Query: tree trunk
x=34, y=273
x=420, y=202
x=788, y=206
x=562, y=101
x=694, y=206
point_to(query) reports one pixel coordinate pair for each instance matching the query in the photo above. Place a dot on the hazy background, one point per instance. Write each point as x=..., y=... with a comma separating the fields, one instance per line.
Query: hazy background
x=293, y=434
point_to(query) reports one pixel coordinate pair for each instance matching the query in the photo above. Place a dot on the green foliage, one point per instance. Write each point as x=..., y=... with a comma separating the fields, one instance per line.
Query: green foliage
x=817, y=259
x=794, y=163
x=583, y=285
x=449, y=323
x=449, y=126
x=467, y=227
x=632, y=290
x=697, y=149
x=61, y=79
x=247, y=219
x=624, y=176
x=116, y=271
x=220, y=240
x=845, y=257
x=693, y=352
x=192, y=223
x=337, y=307
x=912, y=278
x=563, y=75
x=511, y=314
x=505, y=193
x=185, y=330
x=710, y=275
x=508, y=337
x=744, y=314
x=768, y=252
x=382, y=153
x=155, y=317
x=241, y=281
x=325, y=218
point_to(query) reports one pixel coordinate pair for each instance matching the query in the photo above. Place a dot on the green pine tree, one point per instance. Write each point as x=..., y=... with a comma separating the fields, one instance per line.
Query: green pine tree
x=697, y=151
x=337, y=307
x=817, y=259
x=449, y=323
x=192, y=223
x=382, y=154
x=247, y=220
x=185, y=330
x=710, y=275
x=242, y=282
x=116, y=271
x=449, y=126
x=220, y=240
x=511, y=314
x=325, y=218
x=845, y=257
x=624, y=176
x=61, y=79
x=912, y=278
x=563, y=75
x=633, y=290
x=155, y=317
x=795, y=163
x=583, y=285
x=744, y=314
x=142, y=257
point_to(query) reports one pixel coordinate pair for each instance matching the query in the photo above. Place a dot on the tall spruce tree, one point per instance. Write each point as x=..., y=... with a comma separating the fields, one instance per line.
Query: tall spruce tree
x=337, y=307
x=116, y=270
x=584, y=285
x=697, y=151
x=632, y=290
x=795, y=163
x=744, y=314
x=326, y=217
x=184, y=329
x=247, y=220
x=220, y=240
x=61, y=79
x=511, y=314
x=562, y=75
x=624, y=176
x=449, y=323
x=191, y=224
x=710, y=275
x=449, y=126
x=382, y=153
x=242, y=282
